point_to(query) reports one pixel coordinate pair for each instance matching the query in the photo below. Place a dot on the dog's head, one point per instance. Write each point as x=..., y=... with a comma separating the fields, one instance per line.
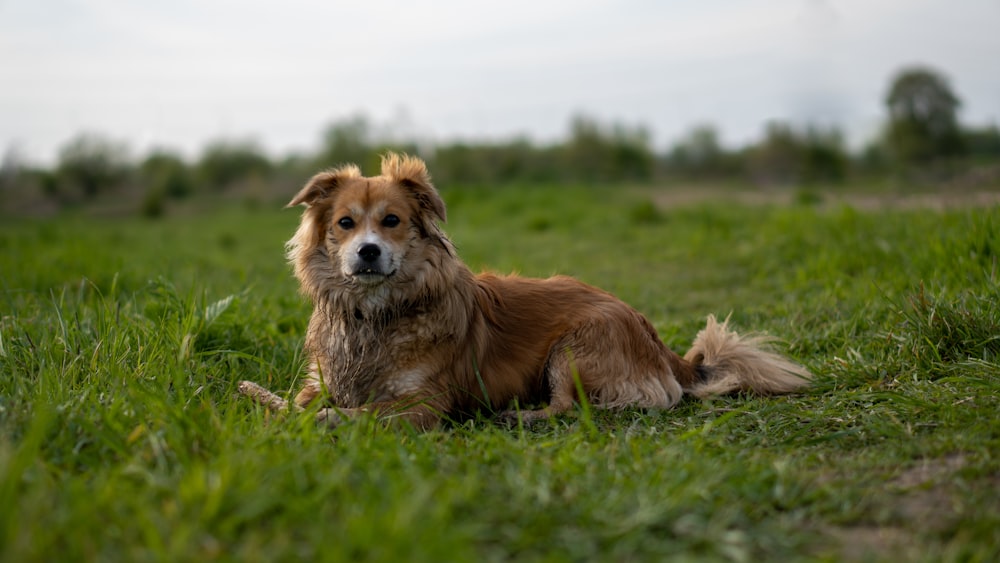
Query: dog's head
x=366, y=232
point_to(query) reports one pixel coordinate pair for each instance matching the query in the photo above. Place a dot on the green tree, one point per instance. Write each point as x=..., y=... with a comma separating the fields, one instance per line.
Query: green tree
x=824, y=158
x=348, y=141
x=355, y=140
x=166, y=173
x=983, y=142
x=517, y=160
x=596, y=153
x=777, y=159
x=226, y=163
x=700, y=154
x=90, y=164
x=789, y=156
x=923, y=123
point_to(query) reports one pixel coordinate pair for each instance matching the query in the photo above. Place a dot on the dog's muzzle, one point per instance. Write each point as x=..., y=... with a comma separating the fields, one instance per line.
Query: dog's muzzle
x=369, y=266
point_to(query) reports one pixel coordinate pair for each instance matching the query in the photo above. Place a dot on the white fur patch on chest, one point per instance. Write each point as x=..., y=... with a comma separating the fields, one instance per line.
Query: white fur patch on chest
x=408, y=382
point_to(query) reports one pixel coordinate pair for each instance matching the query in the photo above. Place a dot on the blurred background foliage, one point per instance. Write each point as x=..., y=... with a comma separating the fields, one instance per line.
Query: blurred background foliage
x=922, y=144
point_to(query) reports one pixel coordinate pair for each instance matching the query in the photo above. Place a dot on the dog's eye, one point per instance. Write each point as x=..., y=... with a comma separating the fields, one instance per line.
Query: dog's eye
x=346, y=223
x=390, y=221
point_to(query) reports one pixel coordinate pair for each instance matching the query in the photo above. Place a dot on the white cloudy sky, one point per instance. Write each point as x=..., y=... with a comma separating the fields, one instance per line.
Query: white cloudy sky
x=179, y=73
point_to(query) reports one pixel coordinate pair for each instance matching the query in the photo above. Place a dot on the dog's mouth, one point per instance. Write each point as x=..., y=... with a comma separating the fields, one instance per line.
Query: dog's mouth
x=372, y=276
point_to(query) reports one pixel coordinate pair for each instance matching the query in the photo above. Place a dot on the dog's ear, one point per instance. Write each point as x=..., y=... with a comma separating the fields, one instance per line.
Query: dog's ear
x=323, y=184
x=411, y=173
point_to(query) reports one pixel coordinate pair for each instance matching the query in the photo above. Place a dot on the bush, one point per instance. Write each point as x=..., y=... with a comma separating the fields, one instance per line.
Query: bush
x=166, y=173
x=226, y=163
x=89, y=165
x=788, y=156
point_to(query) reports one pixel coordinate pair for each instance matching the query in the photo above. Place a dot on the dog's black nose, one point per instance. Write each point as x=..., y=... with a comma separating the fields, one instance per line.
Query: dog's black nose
x=369, y=252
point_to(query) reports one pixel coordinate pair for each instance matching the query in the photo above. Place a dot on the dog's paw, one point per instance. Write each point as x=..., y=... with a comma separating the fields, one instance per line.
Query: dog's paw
x=506, y=418
x=515, y=418
x=523, y=418
x=329, y=417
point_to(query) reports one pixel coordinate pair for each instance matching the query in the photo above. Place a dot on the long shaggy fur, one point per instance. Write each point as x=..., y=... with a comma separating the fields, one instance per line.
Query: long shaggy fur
x=401, y=327
x=737, y=363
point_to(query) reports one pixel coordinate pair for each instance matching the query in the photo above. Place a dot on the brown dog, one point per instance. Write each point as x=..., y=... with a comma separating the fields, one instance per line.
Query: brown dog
x=401, y=327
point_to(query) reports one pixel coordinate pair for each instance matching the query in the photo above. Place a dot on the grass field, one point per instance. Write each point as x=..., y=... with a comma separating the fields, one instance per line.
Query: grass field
x=122, y=438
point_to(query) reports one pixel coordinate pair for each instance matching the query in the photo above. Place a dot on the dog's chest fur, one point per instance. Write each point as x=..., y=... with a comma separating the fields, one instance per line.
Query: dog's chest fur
x=364, y=359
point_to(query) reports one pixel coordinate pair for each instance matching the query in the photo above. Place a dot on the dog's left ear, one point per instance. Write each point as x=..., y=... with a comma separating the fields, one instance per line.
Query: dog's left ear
x=323, y=184
x=411, y=173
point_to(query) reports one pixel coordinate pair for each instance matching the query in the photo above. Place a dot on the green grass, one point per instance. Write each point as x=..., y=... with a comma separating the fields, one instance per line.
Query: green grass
x=122, y=437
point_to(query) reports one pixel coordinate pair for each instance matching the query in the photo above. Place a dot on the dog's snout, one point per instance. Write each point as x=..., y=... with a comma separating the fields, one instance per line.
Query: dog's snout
x=369, y=252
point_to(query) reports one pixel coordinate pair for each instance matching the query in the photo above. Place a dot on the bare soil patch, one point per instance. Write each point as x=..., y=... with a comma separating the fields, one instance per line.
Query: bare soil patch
x=925, y=504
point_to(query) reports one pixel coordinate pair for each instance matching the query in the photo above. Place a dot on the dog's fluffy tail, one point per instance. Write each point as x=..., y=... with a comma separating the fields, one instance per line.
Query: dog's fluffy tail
x=729, y=363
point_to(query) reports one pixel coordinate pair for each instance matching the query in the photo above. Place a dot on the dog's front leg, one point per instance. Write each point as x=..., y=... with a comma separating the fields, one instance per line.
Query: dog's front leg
x=264, y=397
x=328, y=415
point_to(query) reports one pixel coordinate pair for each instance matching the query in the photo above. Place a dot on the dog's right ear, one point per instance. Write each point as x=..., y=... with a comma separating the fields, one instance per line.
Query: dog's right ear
x=323, y=184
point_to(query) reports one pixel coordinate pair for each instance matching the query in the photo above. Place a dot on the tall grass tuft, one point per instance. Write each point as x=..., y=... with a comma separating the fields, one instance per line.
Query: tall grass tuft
x=942, y=333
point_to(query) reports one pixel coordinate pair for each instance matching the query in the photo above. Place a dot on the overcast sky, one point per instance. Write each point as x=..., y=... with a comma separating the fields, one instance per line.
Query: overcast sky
x=180, y=73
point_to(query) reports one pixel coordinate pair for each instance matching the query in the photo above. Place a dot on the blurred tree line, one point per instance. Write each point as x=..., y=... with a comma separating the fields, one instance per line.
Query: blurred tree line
x=922, y=143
